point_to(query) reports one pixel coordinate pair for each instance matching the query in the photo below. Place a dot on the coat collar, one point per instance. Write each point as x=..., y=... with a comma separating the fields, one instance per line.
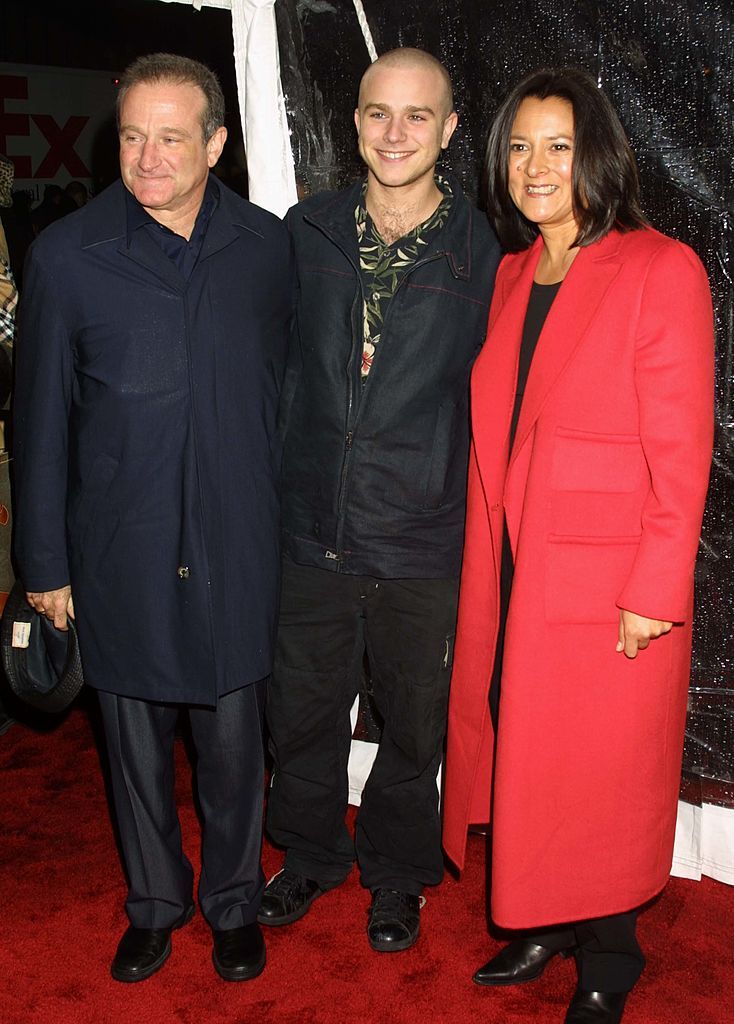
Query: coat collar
x=106, y=222
x=334, y=215
x=568, y=321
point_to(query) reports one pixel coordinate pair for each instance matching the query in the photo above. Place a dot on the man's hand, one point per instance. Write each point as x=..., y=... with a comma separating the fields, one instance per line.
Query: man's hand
x=56, y=605
x=636, y=632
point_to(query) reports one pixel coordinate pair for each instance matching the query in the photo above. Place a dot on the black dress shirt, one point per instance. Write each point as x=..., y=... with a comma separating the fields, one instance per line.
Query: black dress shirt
x=183, y=252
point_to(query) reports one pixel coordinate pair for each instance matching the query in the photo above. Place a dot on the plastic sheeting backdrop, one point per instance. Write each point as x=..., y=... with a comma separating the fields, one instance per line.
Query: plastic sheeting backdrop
x=667, y=66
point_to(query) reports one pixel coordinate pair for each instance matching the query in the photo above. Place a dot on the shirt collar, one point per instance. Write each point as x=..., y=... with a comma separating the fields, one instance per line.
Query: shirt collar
x=363, y=219
x=138, y=216
x=442, y=184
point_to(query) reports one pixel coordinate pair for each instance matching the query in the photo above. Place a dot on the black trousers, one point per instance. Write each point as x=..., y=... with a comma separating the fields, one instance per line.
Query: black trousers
x=327, y=620
x=608, y=955
x=230, y=780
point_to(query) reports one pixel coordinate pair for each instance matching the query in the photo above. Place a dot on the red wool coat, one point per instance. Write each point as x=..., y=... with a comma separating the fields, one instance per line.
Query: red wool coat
x=603, y=494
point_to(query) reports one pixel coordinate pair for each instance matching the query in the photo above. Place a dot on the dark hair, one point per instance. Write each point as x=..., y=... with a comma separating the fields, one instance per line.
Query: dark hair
x=170, y=67
x=605, y=181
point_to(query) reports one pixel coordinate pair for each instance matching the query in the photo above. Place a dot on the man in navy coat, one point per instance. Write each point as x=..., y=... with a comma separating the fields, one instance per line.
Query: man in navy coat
x=149, y=365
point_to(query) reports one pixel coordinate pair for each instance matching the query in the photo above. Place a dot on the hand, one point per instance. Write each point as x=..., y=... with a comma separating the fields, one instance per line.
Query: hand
x=636, y=632
x=56, y=605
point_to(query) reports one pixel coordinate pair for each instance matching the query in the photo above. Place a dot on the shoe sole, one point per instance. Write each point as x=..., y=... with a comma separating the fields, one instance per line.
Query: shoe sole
x=238, y=973
x=130, y=977
x=276, y=922
x=512, y=981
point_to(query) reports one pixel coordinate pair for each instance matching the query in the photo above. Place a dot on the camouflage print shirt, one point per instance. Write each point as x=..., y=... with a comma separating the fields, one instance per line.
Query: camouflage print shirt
x=383, y=266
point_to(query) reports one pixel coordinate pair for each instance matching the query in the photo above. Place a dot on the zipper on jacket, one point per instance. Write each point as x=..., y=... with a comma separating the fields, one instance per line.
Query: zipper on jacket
x=403, y=279
x=352, y=372
x=351, y=385
x=357, y=346
x=348, y=440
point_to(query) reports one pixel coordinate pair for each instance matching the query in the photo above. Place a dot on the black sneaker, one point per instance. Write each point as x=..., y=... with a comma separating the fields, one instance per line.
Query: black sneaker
x=394, y=920
x=287, y=897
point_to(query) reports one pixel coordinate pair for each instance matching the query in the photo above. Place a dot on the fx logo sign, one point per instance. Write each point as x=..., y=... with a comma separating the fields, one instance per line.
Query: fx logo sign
x=60, y=139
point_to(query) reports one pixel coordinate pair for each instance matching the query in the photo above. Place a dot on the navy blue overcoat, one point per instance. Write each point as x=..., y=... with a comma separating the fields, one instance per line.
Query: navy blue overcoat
x=145, y=445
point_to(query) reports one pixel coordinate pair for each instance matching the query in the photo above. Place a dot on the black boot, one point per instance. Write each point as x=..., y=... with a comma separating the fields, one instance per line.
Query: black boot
x=518, y=962
x=596, y=1007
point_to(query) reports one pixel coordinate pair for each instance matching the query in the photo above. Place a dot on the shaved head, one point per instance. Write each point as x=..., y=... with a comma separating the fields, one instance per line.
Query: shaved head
x=404, y=119
x=409, y=59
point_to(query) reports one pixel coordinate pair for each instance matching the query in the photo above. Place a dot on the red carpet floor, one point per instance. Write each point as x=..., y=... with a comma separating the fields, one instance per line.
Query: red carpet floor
x=62, y=895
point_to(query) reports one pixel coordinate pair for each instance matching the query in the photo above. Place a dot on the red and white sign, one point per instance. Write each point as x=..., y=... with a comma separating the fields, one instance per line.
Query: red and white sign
x=49, y=118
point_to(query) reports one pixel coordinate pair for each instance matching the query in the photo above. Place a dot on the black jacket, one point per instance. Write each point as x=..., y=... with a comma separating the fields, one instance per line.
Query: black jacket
x=375, y=476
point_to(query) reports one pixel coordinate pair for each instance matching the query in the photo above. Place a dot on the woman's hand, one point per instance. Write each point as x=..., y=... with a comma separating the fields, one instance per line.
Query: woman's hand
x=636, y=632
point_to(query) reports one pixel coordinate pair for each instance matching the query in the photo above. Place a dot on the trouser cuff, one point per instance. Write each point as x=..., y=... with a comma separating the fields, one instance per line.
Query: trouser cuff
x=328, y=876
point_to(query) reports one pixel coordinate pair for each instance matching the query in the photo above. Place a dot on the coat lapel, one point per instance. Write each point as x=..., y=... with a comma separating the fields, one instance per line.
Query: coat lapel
x=568, y=321
x=227, y=220
x=223, y=230
x=495, y=372
x=220, y=234
x=146, y=253
x=106, y=223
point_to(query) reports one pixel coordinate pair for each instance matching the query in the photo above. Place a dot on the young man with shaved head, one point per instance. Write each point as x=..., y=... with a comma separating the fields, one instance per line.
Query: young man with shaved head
x=395, y=279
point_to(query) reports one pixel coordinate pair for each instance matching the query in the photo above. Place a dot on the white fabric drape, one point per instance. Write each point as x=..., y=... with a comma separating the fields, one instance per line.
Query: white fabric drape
x=704, y=842
x=270, y=170
x=225, y=5
x=361, y=758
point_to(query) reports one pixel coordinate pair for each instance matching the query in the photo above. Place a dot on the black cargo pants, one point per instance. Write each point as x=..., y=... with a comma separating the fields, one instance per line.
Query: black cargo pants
x=327, y=620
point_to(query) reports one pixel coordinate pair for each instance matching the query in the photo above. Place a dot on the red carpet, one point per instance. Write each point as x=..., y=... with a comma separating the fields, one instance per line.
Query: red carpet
x=62, y=895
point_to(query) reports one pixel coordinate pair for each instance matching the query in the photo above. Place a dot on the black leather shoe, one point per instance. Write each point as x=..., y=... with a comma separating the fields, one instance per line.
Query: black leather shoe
x=143, y=951
x=239, y=953
x=394, y=920
x=596, y=1007
x=518, y=962
x=287, y=897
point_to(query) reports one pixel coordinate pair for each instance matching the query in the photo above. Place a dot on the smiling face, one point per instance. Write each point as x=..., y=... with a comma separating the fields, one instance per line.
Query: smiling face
x=403, y=122
x=541, y=163
x=164, y=159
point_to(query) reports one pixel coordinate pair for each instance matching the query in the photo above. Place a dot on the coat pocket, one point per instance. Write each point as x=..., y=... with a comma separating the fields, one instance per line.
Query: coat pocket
x=588, y=461
x=584, y=576
x=444, y=445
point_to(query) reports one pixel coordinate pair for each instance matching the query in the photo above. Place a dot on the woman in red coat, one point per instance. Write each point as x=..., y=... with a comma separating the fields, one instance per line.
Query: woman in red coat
x=592, y=418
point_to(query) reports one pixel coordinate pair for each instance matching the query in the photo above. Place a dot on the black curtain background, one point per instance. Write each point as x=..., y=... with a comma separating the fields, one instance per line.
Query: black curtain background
x=667, y=67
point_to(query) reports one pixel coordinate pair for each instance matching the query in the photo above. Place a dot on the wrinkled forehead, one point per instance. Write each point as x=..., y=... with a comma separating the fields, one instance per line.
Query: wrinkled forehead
x=184, y=99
